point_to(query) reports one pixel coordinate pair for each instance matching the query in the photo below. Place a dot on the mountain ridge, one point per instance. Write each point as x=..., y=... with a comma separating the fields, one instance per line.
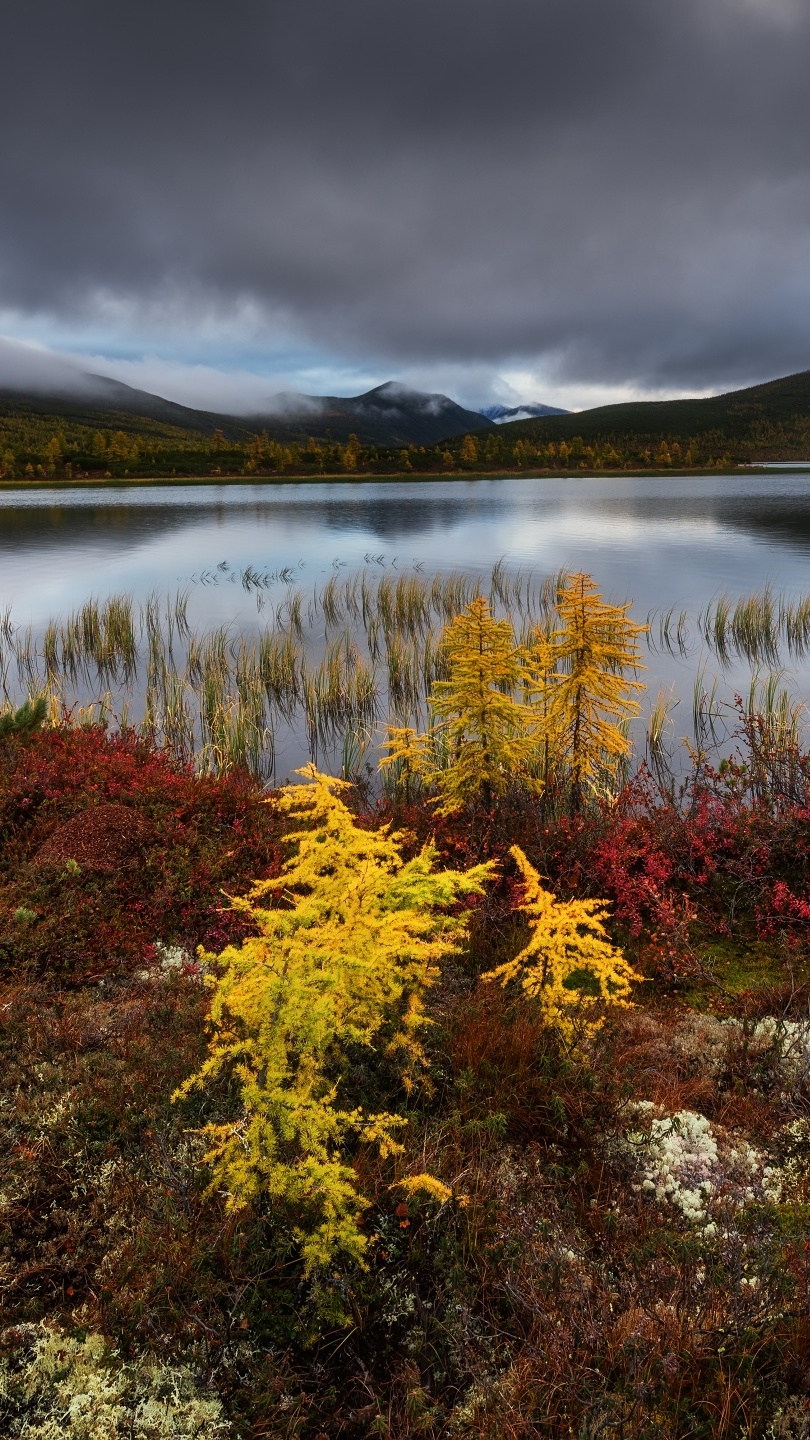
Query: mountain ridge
x=756, y=412
x=112, y=430
x=389, y=414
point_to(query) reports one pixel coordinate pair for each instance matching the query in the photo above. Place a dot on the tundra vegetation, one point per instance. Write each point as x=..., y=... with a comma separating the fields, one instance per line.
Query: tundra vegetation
x=468, y=1095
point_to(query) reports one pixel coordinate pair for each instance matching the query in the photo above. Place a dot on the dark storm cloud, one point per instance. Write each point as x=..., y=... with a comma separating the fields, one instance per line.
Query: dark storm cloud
x=619, y=188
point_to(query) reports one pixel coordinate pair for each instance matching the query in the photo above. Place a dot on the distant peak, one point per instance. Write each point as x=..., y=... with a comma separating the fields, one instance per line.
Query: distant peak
x=502, y=414
x=396, y=391
x=390, y=387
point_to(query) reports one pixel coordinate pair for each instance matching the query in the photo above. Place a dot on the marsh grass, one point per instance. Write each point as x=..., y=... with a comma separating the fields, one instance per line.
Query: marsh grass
x=341, y=661
x=25, y=652
x=795, y=625
x=669, y=632
x=659, y=728
x=6, y=647
x=357, y=742
x=708, y=714
x=773, y=723
x=755, y=628
x=279, y=662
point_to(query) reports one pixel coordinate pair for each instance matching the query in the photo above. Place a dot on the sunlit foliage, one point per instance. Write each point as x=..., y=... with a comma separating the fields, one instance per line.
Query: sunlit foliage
x=406, y=759
x=509, y=714
x=591, y=698
x=489, y=741
x=568, y=950
x=348, y=941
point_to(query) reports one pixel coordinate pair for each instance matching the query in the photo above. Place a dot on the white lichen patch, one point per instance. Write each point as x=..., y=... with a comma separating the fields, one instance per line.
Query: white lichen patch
x=792, y=1146
x=779, y=1048
x=171, y=957
x=789, y=1043
x=62, y=1388
x=682, y=1160
x=702, y=1043
x=791, y=1421
x=171, y=961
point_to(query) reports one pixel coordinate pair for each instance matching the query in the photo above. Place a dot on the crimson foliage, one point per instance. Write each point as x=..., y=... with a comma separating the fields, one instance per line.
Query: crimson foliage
x=200, y=837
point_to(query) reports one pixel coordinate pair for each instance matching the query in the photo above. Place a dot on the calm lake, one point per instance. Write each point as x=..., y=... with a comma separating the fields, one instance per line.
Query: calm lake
x=660, y=542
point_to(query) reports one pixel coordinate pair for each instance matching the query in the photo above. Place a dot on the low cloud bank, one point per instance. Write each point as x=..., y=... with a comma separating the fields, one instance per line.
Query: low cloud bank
x=32, y=369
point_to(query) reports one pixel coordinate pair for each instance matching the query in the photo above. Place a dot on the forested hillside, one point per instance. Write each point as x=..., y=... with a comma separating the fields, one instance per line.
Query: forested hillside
x=765, y=422
x=67, y=439
x=110, y=429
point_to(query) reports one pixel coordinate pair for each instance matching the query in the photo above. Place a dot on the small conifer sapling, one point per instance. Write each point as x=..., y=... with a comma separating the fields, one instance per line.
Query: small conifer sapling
x=591, y=699
x=348, y=941
x=488, y=741
x=568, y=943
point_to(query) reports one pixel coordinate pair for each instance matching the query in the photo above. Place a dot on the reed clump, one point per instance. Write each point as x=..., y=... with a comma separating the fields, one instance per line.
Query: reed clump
x=362, y=651
x=756, y=628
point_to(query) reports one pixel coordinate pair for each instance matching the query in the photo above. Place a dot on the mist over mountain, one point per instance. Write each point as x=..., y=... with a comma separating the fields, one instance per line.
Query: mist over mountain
x=41, y=402
x=759, y=413
x=103, y=403
x=503, y=414
x=390, y=414
x=108, y=429
x=769, y=422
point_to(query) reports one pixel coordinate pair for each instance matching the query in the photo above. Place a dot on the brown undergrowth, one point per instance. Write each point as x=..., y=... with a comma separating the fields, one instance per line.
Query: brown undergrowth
x=571, y=1285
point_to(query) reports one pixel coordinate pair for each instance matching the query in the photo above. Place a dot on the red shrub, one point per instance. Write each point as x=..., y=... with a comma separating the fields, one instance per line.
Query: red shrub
x=198, y=839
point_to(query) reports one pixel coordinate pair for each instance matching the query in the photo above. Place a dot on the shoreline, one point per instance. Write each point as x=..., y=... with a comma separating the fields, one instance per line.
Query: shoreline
x=422, y=477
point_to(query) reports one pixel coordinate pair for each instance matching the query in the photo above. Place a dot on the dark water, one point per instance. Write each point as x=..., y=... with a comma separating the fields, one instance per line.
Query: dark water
x=656, y=541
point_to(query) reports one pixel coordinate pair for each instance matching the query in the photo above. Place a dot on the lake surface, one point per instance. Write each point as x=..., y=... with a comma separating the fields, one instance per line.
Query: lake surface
x=660, y=542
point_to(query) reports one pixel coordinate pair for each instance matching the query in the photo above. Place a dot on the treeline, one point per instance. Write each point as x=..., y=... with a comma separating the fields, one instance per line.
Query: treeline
x=66, y=454
x=37, y=448
x=609, y=452
x=52, y=439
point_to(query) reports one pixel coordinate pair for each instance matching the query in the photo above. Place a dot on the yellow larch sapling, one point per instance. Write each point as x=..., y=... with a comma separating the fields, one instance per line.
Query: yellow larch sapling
x=408, y=760
x=568, y=939
x=591, y=700
x=537, y=683
x=349, y=939
x=489, y=742
x=425, y=1185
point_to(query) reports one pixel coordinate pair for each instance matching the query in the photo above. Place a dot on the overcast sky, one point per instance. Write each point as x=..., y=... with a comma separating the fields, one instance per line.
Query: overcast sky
x=559, y=200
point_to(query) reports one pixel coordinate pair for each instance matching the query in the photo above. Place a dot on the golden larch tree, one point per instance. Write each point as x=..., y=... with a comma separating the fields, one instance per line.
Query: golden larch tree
x=348, y=940
x=591, y=700
x=537, y=666
x=488, y=741
x=408, y=759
